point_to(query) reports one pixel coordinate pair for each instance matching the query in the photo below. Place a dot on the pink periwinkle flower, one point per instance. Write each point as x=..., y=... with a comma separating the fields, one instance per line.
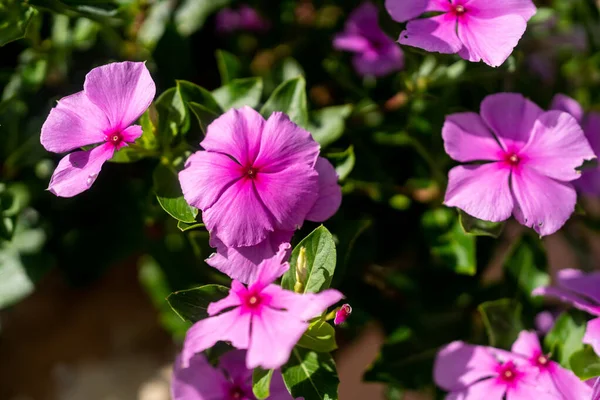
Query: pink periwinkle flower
x=230, y=380
x=544, y=322
x=262, y=318
x=590, y=122
x=113, y=98
x=245, y=18
x=342, y=314
x=583, y=292
x=475, y=29
x=376, y=53
x=530, y=157
x=256, y=183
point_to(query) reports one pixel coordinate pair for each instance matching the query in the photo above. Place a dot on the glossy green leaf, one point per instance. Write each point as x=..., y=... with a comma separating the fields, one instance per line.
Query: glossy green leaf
x=502, y=320
x=477, y=227
x=155, y=23
x=184, y=226
x=526, y=265
x=456, y=250
x=191, y=14
x=320, y=336
x=343, y=162
x=200, y=101
x=585, y=363
x=169, y=195
x=191, y=304
x=14, y=19
x=239, y=93
x=289, y=98
x=171, y=115
x=261, y=383
x=321, y=260
x=327, y=124
x=229, y=66
x=311, y=375
x=566, y=337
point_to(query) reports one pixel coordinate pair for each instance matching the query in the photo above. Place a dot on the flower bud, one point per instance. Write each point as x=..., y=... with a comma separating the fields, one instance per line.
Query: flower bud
x=342, y=314
x=301, y=271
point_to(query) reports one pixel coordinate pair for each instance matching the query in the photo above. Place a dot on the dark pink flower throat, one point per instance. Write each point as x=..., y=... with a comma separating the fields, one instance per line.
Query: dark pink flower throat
x=508, y=372
x=251, y=172
x=459, y=9
x=115, y=138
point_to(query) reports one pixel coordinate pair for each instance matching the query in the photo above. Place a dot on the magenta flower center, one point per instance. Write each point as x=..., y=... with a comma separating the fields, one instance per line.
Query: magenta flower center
x=508, y=372
x=115, y=138
x=236, y=393
x=251, y=172
x=542, y=360
x=459, y=9
x=512, y=159
x=252, y=301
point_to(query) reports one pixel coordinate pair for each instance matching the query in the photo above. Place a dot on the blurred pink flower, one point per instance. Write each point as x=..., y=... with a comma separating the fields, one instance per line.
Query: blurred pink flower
x=475, y=29
x=231, y=380
x=376, y=53
x=583, y=292
x=256, y=183
x=342, y=314
x=544, y=321
x=530, y=158
x=245, y=18
x=113, y=98
x=262, y=318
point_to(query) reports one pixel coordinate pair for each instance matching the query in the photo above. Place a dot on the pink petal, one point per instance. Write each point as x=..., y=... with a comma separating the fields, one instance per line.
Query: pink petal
x=402, y=10
x=436, y=34
x=387, y=60
x=581, y=283
x=132, y=133
x=199, y=381
x=511, y=117
x=527, y=344
x=76, y=172
x=591, y=128
x=278, y=389
x=330, y=193
x=206, y=176
x=232, y=299
x=490, y=40
x=239, y=217
x=459, y=365
x=274, y=334
x=122, y=90
x=482, y=191
x=527, y=391
x=568, y=385
x=303, y=306
x=288, y=195
x=241, y=263
x=351, y=42
x=467, y=138
x=492, y=9
x=592, y=334
x=557, y=146
x=589, y=183
x=569, y=105
x=284, y=144
x=542, y=203
x=273, y=268
x=236, y=133
x=232, y=326
x=234, y=364
x=568, y=297
x=74, y=122
x=488, y=389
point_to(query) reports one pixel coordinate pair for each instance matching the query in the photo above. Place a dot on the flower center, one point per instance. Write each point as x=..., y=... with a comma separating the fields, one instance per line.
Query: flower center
x=542, y=360
x=251, y=172
x=508, y=372
x=512, y=159
x=460, y=9
x=253, y=301
x=115, y=138
x=236, y=393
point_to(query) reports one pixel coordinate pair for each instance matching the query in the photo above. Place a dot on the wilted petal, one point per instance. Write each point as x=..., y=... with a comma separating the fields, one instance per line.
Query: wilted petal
x=77, y=171
x=592, y=334
x=402, y=10
x=330, y=192
x=122, y=90
x=199, y=381
x=467, y=138
x=433, y=34
x=459, y=365
x=569, y=105
x=482, y=191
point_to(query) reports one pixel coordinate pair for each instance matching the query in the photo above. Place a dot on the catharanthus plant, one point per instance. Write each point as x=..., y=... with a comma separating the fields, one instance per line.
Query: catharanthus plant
x=113, y=98
x=478, y=30
x=530, y=157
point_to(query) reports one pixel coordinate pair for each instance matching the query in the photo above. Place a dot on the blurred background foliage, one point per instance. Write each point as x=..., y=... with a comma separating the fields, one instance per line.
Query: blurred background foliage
x=427, y=274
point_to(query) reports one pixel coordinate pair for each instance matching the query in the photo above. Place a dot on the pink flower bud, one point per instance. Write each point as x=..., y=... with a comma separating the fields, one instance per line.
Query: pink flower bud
x=342, y=314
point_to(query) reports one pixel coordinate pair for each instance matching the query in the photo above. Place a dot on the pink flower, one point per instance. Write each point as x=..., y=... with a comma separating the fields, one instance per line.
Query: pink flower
x=256, y=183
x=113, y=98
x=530, y=158
x=262, y=318
x=231, y=380
x=475, y=29
x=590, y=122
x=243, y=19
x=582, y=291
x=376, y=53
x=342, y=314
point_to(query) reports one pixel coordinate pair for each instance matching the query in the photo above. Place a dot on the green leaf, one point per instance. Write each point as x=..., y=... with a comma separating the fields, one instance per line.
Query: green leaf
x=169, y=195
x=290, y=98
x=320, y=336
x=171, y=115
x=585, y=363
x=155, y=23
x=261, y=383
x=239, y=93
x=566, y=337
x=343, y=162
x=229, y=66
x=478, y=227
x=321, y=259
x=191, y=304
x=455, y=249
x=14, y=19
x=311, y=375
x=200, y=101
x=192, y=14
x=502, y=320
x=98, y=10
x=183, y=226
x=526, y=264
x=327, y=124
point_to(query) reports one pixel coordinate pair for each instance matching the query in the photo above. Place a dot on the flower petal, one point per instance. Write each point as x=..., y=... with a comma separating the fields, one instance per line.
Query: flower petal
x=488, y=389
x=511, y=117
x=527, y=344
x=581, y=283
x=273, y=268
x=234, y=363
x=274, y=334
x=567, y=384
x=530, y=390
x=568, y=297
x=589, y=183
x=482, y=191
x=206, y=177
x=592, y=335
x=132, y=133
x=467, y=138
x=199, y=381
x=303, y=306
x=492, y=9
x=542, y=203
x=351, y=42
x=433, y=34
x=122, y=90
x=330, y=193
x=237, y=134
x=569, y=105
x=557, y=146
x=459, y=365
x=232, y=326
x=74, y=122
x=232, y=299
x=389, y=59
x=278, y=389
x=76, y=172
x=402, y=10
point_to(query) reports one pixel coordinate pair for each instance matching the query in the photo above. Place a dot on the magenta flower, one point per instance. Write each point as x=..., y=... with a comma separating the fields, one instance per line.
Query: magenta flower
x=475, y=29
x=256, y=183
x=113, y=98
x=582, y=291
x=530, y=158
x=231, y=380
x=376, y=53
x=262, y=318
x=590, y=122
x=342, y=314
x=245, y=18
